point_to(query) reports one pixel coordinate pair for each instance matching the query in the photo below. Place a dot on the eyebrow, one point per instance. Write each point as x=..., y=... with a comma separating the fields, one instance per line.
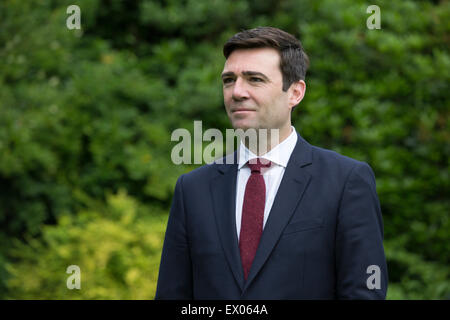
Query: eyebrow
x=246, y=73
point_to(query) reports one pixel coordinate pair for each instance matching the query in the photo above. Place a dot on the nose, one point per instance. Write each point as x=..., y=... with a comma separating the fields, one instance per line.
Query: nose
x=239, y=90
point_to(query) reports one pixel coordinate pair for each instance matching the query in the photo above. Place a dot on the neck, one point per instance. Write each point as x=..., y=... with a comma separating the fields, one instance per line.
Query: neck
x=266, y=140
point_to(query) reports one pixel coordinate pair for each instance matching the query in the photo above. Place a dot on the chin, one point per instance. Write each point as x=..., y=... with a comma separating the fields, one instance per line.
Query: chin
x=243, y=126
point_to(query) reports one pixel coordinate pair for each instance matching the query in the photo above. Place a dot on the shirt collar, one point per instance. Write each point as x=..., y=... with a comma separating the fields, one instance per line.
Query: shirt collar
x=279, y=155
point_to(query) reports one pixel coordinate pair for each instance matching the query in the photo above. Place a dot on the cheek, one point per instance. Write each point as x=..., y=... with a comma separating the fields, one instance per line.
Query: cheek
x=273, y=100
x=226, y=97
x=278, y=107
x=228, y=93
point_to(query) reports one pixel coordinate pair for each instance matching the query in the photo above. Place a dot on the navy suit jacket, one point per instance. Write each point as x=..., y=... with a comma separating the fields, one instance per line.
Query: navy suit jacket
x=324, y=231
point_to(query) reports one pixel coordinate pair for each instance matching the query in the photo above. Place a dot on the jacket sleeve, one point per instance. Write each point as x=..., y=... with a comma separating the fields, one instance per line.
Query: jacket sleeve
x=175, y=271
x=361, y=269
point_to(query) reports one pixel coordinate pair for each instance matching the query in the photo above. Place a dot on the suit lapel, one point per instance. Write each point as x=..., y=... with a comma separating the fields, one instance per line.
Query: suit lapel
x=223, y=189
x=294, y=183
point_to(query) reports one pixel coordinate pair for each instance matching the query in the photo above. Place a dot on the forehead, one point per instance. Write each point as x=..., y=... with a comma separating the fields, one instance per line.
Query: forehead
x=264, y=60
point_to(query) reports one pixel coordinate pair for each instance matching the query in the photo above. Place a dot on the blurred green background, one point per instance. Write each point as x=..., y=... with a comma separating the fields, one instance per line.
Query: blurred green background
x=86, y=118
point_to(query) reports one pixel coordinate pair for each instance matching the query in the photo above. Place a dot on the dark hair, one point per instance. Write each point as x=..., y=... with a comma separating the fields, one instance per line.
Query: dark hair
x=293, y=59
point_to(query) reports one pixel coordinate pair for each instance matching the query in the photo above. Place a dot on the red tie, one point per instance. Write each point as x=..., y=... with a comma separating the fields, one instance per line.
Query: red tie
x=252, y=214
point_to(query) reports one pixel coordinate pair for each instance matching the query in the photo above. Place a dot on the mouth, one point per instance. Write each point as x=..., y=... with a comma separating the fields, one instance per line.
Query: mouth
x=242, y=110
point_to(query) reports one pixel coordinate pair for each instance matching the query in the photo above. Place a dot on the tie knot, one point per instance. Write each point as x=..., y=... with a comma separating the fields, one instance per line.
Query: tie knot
x=255, y=165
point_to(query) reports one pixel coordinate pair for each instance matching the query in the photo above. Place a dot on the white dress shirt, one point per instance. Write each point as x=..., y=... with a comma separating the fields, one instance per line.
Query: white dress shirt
x=279, y=156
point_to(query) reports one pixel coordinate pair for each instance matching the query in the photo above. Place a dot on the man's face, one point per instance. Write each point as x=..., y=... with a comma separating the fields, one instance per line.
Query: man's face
x=252, y=90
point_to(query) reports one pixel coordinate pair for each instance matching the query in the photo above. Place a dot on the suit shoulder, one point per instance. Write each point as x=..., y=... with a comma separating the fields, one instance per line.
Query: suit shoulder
x=198, y=174
x=339, y=168
x=205, y=172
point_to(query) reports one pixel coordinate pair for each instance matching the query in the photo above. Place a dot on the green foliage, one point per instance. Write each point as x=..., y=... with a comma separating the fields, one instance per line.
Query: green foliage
x=87, y=113
x=117, y=247
x=415, y=277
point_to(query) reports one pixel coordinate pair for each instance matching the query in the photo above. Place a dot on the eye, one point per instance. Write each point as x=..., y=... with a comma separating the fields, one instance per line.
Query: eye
x=256, y=79
x=227, y=80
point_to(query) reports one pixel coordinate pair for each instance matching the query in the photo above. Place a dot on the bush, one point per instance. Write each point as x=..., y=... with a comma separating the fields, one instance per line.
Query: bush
x=117, y=248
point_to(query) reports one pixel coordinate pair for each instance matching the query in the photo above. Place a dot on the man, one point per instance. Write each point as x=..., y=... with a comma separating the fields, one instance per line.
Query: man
x=296, y=222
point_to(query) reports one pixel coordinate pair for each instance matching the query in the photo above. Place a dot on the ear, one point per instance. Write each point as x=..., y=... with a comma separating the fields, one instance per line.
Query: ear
x=296, y=93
